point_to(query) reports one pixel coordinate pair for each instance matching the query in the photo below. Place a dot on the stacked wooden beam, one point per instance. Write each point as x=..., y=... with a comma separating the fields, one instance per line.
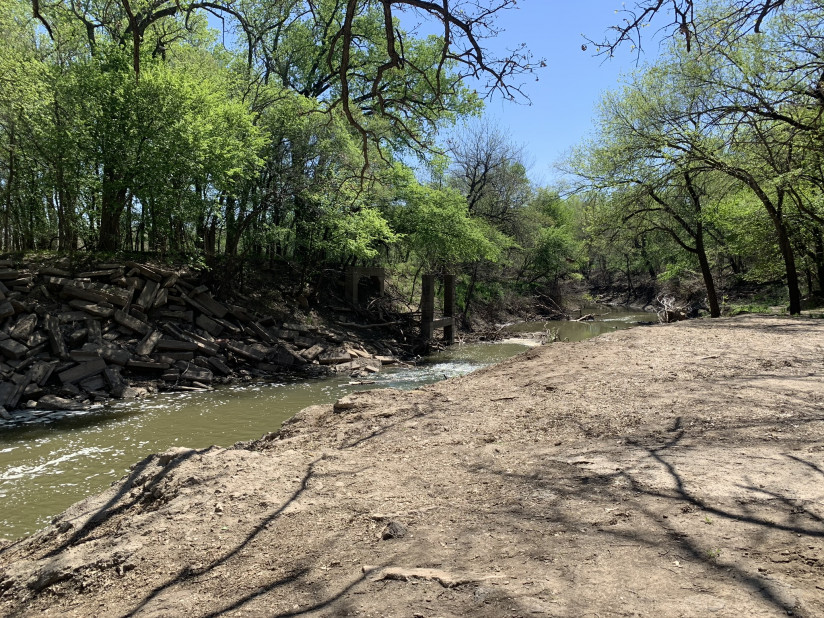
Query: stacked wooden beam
x=67, y=340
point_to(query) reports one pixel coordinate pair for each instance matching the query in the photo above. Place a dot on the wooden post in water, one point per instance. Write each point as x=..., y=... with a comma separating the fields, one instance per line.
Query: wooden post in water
x=428, y=321
x=427, y=306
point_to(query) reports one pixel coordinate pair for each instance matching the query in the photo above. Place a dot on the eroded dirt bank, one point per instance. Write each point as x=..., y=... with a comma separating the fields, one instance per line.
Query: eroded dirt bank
x=662, y=471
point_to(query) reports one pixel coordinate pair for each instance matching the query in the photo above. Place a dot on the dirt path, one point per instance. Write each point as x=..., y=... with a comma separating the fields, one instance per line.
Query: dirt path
x=661, y=471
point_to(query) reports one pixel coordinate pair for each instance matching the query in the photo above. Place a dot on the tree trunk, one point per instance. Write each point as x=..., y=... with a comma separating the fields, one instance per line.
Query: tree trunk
x=819, y=259
x=793, y=288
x=468, y=296
x=706, y=271
x=9, y=189
x=112, y=204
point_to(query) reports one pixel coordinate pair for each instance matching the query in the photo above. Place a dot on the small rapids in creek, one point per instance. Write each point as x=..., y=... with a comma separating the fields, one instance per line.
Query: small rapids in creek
x=46, y=467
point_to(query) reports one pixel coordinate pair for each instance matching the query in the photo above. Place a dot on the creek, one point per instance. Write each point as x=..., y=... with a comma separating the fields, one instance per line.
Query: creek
x=46, y=467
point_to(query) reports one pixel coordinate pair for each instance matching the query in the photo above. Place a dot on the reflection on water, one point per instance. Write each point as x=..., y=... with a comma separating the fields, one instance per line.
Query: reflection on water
x=44, y=468
x=607, y=319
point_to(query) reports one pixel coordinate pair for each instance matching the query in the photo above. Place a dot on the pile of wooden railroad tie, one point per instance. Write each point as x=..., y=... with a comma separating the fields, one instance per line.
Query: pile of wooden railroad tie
x=68, y=339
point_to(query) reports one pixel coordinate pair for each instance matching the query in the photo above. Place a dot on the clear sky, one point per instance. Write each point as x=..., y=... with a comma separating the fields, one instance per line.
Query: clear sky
x=564, y=98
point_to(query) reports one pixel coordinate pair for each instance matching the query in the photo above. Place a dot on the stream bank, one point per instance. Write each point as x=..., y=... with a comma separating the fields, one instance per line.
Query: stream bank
x=71, y=337
x=51, y=461
x=669, y=470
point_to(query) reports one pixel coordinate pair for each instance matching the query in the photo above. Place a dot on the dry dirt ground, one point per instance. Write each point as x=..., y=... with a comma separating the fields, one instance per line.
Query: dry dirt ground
x=662, y=471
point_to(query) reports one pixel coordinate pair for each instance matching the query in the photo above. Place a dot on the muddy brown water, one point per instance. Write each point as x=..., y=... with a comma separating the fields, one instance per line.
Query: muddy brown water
x=46, y=467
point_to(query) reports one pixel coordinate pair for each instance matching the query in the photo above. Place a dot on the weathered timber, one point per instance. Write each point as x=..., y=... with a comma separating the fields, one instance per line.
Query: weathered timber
x=20, y=382
x=209, y=325
x=214, y=308
x=174, y=356
x=24, y=327
x=261, y=332
x=268, y=367
x=95, y=292
x=58, y=345
x=94, y=383
x=183, y=316
x=245, y=351
x=192, y=302
x=41, y=372
x=304, y=342
x=146, y=271
x=114, y=379
x=9, y=274
x=47, y=271
x=240, y=313
x=148, y=343
x=147, y=365
x=358, y=353
x=334, y=357
x=107, y=351
x=197, y=373
x=33, y=392
x=6, y=309
x=108, y=272
x=298, y=328
x=137, y=313
x=313, y=352
x=39, y=351
x=219, y=366
x=161, y=298
x=147, y=296
x=132, y=323
x=82, y=371
x=12, y=349
x=372, y=365
x=71, y=316
x=7, y=390
x=113, y=354
x=170, y=375
x=78, y=337
x=285, y=355
x=229, y=327
x=98, y=311
x=95, y=331
x=53, y=402
x=83, y=293
x=174, y=345
x=203, y=344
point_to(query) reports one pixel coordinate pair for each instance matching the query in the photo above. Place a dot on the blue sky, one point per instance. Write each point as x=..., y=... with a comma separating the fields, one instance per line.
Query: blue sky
x=569, y=88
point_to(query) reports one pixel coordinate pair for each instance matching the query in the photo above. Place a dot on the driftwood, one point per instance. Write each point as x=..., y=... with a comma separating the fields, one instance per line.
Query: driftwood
x=670, y=311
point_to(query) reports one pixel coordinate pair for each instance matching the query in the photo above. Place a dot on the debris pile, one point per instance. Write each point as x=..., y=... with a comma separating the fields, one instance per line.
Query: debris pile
x=68, y=340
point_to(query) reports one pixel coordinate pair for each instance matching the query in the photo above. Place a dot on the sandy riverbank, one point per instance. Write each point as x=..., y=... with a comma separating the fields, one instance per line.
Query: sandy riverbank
x=671, y=470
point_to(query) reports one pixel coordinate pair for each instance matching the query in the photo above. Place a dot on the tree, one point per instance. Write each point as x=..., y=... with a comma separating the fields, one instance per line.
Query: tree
x=490, y=171
x=387, y=80
x=738, y=18
x=660, y=181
